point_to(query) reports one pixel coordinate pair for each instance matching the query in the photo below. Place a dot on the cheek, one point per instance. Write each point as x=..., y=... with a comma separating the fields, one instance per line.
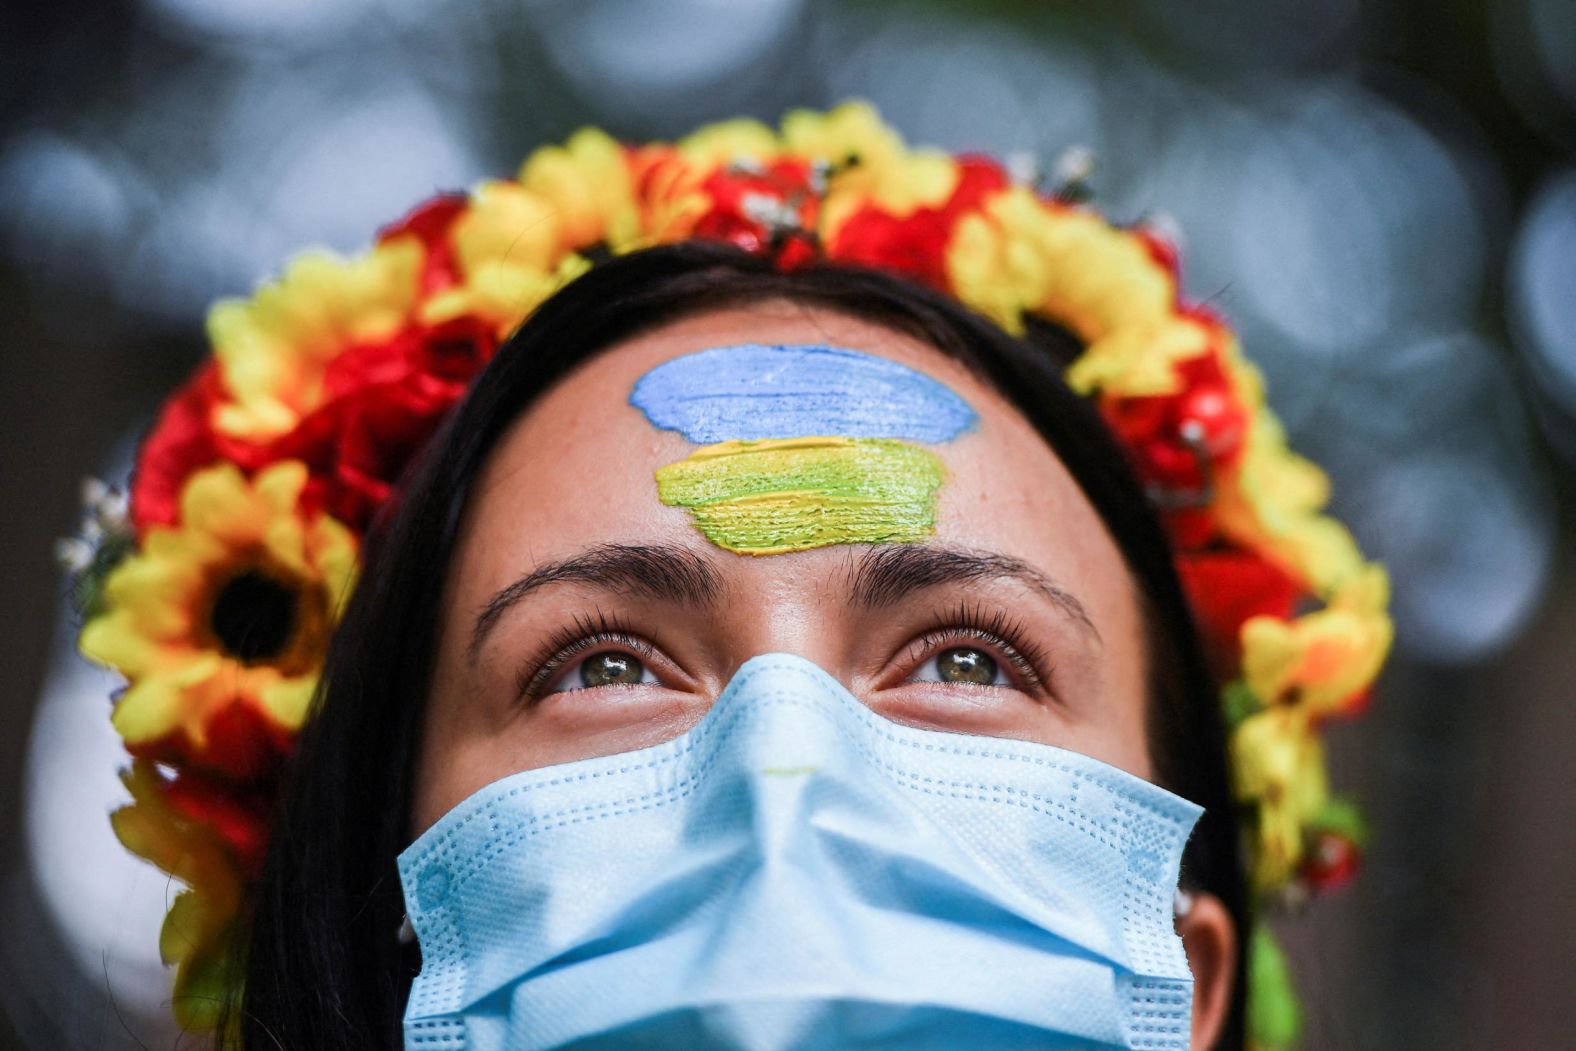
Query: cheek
x=472, y=736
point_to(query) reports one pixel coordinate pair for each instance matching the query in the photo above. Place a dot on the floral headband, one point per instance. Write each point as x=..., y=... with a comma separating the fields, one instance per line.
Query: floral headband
x=215, y=583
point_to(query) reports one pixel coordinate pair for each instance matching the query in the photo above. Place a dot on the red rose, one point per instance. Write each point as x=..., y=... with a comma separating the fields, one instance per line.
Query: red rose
x=770, y=210
x=180, y=442
x=430, y=222
x=239, y=819
x=1226, y=587
x=1170, y=435
x=382, y=402
x=916, y=245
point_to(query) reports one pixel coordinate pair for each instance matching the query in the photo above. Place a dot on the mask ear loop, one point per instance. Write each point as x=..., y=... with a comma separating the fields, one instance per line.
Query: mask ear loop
x=407, y=933
x=1181, y=904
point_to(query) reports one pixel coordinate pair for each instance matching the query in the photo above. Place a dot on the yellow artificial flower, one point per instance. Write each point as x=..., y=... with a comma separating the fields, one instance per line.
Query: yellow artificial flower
x=740, y=139
x=1320, y=661
x=1021, y=254
x=1278, y=759
x=512, y=255
x=668, y=191
x=1246, y=379
x=202, y=923
x=274, y=348
x=587, y=183
x=1139, y=359
x=233, y=605
x=1273, y=502
x=990, y=273
x=870, y=162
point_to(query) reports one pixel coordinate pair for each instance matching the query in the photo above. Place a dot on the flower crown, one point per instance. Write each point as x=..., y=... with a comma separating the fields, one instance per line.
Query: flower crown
x=215, y=583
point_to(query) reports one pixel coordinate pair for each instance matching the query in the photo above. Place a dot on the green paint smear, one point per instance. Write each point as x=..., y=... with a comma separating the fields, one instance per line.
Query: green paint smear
x=777, y=495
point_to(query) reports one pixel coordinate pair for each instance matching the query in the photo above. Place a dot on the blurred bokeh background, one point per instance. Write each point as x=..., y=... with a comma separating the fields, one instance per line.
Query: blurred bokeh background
x=1380, y=193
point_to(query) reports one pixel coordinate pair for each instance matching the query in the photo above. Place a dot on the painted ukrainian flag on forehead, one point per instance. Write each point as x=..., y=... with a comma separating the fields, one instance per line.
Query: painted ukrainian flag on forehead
x=802, y=445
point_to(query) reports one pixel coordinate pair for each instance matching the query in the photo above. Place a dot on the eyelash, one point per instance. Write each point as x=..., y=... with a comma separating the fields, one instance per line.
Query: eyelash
x=963, y=623
x=966, y=623
x=561, y=648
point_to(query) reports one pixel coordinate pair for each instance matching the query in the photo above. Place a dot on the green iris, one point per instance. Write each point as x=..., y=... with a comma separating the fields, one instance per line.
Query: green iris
x=966, y=665
x=607, y=669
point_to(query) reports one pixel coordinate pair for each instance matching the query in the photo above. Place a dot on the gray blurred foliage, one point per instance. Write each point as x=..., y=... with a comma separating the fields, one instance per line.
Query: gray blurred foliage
x=1380, y=195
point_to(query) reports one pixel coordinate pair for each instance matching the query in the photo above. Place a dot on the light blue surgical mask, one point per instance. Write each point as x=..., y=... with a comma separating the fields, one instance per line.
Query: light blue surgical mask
x=798, y=872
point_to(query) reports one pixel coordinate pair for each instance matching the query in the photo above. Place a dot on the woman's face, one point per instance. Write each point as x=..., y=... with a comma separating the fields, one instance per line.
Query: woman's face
x=585, y=617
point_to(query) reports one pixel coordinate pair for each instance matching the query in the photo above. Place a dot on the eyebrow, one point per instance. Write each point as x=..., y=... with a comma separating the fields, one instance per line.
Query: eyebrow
x=663, y=572
x=884, y=576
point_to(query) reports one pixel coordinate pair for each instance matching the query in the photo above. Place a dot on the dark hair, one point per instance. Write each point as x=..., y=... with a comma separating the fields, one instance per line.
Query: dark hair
x=323, y=966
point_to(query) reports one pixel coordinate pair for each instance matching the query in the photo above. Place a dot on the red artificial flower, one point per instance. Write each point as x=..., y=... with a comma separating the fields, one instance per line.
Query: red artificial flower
x=1331, y=862
x=239, y=819
x=430, y=222
x=916, y=244
x=741, y=200
x=1162, y=251
x=243, y=746
x=381, y=403
x=1172, y=436
x=181, y=441
x=1228, y=586
x=1181, y=443
x=1190, y=528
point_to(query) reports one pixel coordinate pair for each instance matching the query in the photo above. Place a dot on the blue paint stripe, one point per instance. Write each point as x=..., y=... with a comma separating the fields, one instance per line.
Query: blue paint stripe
x=757, y=390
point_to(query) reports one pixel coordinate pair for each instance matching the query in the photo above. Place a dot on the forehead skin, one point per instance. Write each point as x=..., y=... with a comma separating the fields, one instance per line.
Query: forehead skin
x=577, y=470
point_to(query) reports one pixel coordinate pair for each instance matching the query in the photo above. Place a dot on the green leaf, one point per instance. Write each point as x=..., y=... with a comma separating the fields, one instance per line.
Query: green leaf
x=1343, y=818
x=1238, y=702
x=205, y=983
x=1274, y=1013
x=87, y=587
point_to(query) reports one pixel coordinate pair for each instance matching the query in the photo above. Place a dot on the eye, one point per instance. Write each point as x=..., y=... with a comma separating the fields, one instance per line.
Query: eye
x=590, y=654
x=965, y=664
x=979, y=646
x=606, y=668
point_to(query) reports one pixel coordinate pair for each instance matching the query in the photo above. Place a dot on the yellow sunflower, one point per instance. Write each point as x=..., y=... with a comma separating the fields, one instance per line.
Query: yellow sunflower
x=220, y=623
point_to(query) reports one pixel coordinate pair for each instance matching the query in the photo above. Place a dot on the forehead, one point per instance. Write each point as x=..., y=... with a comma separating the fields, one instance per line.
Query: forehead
x=579, y=467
